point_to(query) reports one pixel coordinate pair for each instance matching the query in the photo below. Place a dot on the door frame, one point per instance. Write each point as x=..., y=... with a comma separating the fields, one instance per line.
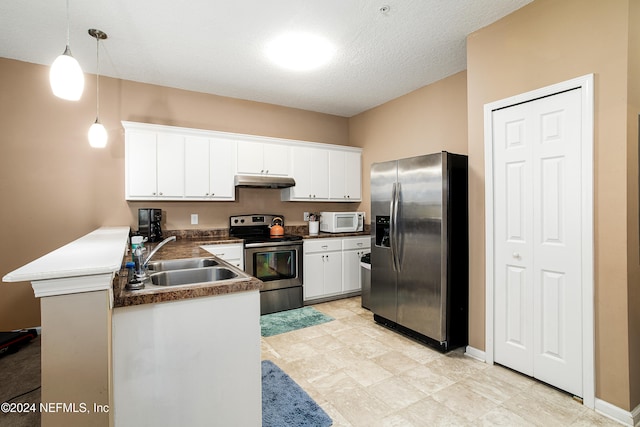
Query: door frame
x=585, y=84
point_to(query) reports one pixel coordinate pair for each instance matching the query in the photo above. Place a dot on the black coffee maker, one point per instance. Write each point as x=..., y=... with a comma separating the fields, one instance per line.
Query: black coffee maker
x=149, y=224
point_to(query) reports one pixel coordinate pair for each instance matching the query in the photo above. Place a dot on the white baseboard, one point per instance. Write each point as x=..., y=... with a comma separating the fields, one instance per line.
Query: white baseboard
x=626, y=418
x=475, y=353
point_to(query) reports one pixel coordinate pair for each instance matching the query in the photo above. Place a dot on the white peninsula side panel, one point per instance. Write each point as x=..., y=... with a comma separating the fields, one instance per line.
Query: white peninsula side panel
x=75, y=287
x=194, y=362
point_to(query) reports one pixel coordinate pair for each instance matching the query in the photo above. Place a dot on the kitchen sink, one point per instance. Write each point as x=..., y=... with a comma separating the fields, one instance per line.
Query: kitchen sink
x=181, y=264
x=194, y=275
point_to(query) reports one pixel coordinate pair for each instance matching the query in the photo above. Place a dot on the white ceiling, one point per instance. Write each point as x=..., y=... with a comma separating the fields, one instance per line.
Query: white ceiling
x=217, y=47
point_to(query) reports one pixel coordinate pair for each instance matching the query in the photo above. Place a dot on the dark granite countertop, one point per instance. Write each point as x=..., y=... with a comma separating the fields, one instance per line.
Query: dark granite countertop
x=188, y=245
x=181, y=248
x=303, y=230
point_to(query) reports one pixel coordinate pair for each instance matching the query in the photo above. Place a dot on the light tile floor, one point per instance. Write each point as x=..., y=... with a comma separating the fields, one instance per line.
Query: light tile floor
x=363, y=374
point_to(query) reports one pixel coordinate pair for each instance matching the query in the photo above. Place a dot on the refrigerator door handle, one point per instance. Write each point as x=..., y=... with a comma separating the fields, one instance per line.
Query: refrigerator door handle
x=396, y=232
x=392, y=226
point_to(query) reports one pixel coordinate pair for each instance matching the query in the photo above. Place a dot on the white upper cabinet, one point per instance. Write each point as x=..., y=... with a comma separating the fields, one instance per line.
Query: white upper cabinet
x=169, y=163
x=173, y=163
x=263, y=158
x=345, y=175
x=141, y=164
x=209, y=171
x=324, y=173
x=310, y=169
x=155, y=165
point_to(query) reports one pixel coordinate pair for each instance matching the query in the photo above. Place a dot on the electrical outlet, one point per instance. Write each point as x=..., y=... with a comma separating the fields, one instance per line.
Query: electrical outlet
x=306, y=216
x=194, y=219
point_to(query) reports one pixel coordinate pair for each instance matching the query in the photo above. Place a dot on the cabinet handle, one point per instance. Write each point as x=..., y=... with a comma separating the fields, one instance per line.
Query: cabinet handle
x=220, y=255
x=360, y=244
x=267, y=172
x=161, y=193
x=516, y=255
x=324, y=246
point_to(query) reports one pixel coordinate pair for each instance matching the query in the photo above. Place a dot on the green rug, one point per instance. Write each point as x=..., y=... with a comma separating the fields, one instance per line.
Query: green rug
x=290, y=320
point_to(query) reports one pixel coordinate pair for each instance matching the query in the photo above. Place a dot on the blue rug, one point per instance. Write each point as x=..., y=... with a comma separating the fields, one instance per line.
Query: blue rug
x=290, y=320
x=285, y=404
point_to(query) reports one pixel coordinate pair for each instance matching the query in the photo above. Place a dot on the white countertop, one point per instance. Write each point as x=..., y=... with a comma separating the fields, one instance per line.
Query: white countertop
x=99, y=252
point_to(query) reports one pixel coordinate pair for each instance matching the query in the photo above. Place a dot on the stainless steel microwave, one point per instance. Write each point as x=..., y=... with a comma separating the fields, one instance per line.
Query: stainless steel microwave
x=341, y=222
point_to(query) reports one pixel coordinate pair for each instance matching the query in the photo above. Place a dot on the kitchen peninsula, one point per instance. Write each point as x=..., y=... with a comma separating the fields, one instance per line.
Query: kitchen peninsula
x=137, y=364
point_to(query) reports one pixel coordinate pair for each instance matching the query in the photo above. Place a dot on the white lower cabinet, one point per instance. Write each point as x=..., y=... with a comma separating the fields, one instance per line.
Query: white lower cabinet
x=233, y=253
x=322, y=268
x=332, y=266
x=352, y=250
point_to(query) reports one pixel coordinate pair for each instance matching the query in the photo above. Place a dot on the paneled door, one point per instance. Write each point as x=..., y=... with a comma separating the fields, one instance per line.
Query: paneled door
x=537, y=239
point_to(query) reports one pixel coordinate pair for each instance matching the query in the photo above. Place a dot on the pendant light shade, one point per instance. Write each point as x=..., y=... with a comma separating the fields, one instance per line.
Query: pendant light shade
x=65, y=76
x=97, y=133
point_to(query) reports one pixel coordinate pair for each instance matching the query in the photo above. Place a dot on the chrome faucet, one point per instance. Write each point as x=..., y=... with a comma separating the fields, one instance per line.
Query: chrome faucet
x=141, y=263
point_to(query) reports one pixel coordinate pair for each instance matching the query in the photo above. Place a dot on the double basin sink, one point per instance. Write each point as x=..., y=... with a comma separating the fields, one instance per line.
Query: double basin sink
x=192, y=271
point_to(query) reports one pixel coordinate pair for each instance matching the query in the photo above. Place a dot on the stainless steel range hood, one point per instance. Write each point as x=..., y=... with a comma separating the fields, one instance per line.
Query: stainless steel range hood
x=264, y=181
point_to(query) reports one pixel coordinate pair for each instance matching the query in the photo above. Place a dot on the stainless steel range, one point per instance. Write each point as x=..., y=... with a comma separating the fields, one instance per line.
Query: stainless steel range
x=277, y=261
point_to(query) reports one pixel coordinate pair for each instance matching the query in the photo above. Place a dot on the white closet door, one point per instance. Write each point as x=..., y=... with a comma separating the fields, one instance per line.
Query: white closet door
x=538, y=282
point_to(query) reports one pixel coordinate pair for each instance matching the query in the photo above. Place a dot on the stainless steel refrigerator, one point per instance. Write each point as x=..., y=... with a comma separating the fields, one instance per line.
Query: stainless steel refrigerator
x=419, y=247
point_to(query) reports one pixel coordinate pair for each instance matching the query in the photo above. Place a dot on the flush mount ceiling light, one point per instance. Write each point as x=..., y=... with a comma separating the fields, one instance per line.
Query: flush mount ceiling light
x=65, y=76
x=300, y=51
x=97, y=133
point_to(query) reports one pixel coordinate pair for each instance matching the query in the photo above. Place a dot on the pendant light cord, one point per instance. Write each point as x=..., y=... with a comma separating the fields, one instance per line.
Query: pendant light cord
x=97, y=77
x=68, y=21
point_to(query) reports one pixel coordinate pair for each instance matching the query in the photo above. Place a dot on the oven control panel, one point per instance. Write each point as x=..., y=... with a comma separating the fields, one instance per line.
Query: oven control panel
x=253, y=220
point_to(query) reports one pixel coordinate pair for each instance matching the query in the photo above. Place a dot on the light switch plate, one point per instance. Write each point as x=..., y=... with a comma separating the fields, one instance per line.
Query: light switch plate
x=194, y=219
x=306, y=216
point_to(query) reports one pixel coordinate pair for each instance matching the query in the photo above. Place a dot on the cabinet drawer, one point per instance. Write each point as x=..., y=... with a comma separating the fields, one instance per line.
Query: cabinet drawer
x=322, y=245
x=356, y=243
x=225, y=251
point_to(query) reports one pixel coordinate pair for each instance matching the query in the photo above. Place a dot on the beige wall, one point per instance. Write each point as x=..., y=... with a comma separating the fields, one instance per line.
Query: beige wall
x=546, y=42
x=55, y=188
x=428, y=120
x=633, y=193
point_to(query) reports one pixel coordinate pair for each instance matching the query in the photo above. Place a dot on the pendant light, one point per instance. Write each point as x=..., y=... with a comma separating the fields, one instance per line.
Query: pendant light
x=97, y=133
x=65, y=76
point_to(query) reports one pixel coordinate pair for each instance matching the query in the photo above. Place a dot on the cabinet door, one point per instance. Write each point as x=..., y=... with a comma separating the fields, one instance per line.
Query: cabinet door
x=313, y=276
x=196, y=174
x=301, y=161
x=276, y=159
x=310, y=169
x=351, y=270
x=221, y=161
x=141, y=164
x=320, y=173
x=170, y=158
x=353, y=176
x=333, y=273
x=337, y=190
x=250, y=157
